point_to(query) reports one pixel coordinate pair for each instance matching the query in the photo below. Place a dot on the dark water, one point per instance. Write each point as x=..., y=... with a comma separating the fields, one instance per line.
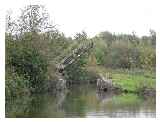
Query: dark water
x=83, y=101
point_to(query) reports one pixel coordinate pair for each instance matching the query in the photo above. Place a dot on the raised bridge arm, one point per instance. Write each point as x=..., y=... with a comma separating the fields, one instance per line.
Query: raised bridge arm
x=74, y=56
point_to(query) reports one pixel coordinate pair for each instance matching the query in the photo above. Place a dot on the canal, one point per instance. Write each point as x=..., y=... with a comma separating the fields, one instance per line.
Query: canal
x=81, y=101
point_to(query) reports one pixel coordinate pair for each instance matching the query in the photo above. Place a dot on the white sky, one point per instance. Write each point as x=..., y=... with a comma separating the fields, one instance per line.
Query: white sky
x=94, y=16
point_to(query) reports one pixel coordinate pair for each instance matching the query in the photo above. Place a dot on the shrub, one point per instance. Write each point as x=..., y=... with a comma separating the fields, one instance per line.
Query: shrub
x=147, y=58
x=118, y=56
x=15, y=85
x=28, y=62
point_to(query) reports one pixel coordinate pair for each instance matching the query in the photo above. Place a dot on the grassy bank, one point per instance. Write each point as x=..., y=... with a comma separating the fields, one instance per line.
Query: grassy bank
x=134, y=81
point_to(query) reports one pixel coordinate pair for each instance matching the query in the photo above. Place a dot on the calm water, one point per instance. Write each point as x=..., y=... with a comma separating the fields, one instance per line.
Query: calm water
x=83, y=101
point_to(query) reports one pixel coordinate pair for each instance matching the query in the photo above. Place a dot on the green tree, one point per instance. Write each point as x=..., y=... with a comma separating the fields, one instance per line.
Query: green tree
x=153, y=36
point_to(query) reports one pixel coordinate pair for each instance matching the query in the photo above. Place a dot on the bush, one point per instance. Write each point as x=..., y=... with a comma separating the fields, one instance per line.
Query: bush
x=28, y=62
x=118, y=56
x=100, y=51
x=76, y=72
x=15, y=85
x=147, y=58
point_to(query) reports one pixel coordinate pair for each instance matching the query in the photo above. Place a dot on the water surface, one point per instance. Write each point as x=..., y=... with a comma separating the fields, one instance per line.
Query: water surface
x=81, y=101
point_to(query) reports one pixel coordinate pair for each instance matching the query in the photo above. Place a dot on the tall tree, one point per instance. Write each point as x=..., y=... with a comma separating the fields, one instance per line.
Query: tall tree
x=107, y=36
x=34, y=18
x=153, y=37
x=81, y=36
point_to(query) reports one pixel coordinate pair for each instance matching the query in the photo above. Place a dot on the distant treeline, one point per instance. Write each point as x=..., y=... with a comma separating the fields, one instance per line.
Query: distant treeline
x=127, y=51
x=34, y=46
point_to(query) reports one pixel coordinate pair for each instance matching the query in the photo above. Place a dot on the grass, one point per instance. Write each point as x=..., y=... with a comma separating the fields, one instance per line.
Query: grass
x=133, y=82
x=129, y=80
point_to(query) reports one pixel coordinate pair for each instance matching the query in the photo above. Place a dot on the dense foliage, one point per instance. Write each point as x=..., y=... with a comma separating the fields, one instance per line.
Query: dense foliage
x=125, y=51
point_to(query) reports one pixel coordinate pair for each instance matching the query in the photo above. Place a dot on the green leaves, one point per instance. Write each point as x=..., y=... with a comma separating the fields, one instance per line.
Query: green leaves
x=27, y=62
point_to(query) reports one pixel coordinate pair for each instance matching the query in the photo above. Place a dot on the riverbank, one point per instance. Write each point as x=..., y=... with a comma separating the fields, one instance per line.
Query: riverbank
x=130, y=81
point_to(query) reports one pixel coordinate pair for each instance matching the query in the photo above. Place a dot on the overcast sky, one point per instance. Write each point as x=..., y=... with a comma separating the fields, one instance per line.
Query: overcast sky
x=94, y=16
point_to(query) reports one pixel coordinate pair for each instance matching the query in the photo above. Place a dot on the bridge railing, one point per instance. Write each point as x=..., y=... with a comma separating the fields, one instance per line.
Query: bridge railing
x=75, y=54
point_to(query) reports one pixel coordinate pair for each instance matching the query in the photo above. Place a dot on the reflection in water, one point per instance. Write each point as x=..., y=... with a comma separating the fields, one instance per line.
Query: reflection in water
x=60, y=97
x=81, y=101
x=104, y=97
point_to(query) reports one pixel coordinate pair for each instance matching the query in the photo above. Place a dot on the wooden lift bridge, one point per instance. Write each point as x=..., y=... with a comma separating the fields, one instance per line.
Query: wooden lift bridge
x=75, y=54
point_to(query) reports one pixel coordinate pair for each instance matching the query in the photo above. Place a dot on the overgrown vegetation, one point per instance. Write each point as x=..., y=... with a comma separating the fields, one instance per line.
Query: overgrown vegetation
x=34, y=46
